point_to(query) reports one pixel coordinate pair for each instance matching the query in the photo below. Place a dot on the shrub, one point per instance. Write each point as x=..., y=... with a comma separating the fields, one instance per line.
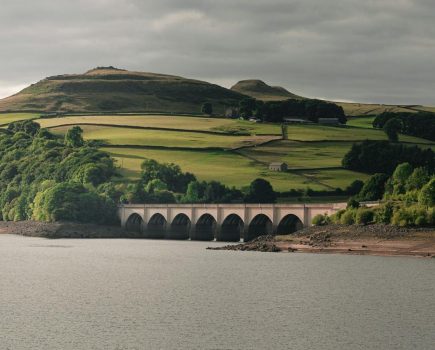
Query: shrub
x=348, y=217
x=352, y=203
x=335, y=218
x=427, y=194
x=321, y=220
x=384, y=213
x=364, y=216
x=409, y=216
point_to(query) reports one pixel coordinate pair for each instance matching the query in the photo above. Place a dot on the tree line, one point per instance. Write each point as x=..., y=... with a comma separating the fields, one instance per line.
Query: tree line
x=421, y=124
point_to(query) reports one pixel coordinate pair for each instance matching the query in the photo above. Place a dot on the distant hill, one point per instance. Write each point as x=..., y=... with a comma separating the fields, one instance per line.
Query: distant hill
x=260, y=90
x=107, y=89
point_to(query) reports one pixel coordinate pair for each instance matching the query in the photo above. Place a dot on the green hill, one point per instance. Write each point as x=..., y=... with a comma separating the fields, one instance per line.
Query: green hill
x=260, y=90
x=107, y=89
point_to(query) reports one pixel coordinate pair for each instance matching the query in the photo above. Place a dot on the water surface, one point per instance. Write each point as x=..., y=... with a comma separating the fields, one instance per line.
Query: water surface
x=145, y=294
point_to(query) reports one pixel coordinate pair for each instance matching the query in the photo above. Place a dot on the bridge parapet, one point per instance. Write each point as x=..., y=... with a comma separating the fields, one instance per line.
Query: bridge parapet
x=227, y=222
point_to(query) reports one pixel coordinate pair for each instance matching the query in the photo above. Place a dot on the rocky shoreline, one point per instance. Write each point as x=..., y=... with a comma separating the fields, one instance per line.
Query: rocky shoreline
x=383, y=240
x=54, y=230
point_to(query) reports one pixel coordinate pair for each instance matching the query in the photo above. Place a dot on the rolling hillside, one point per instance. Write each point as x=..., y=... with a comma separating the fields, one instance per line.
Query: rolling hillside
x=260, y=90
x=112, y=90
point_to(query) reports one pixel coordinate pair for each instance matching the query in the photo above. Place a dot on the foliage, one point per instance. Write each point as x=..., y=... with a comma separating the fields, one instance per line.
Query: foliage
x=33, y=161
x=427, y=194
x=348, y=217
x=73, y=137
x=276, y=111
x=392, y=128
x=421, y=124
x=419, y=177
x=260, y=191
x=168, y=173
x=383, y=157
x=352, y=203
x=373, y=188
x=207, y=108
x=321, y=220
x=210, y=192
x=384, y=213
x=364, y=216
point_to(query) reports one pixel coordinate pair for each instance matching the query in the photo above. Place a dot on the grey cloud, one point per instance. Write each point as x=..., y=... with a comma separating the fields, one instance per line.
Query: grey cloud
x=368, y=51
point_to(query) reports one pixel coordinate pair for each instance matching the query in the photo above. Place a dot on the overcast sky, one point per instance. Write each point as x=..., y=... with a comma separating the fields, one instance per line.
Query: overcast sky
x=368, y=51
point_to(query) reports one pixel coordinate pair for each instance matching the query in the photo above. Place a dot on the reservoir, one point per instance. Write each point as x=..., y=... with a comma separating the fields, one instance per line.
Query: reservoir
x=155, y=294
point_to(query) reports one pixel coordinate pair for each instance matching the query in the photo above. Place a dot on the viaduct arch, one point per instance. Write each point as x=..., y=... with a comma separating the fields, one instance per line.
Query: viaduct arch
x=223, y=222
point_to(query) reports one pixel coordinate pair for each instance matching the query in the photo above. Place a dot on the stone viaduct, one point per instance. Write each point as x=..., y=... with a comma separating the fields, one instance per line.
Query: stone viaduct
x=223, y=222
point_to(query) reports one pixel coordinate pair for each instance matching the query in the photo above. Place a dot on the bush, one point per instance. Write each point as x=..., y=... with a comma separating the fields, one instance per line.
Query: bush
x=427, y=194
x=364, y=216
x=335, y=218
x=352, y=203
x=384, y=213
x=348, y=217
x=410, y=216
x=321, y=220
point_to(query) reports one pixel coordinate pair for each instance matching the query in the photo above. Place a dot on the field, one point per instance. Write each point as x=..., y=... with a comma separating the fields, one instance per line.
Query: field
x=233, y=152
x=13, y=117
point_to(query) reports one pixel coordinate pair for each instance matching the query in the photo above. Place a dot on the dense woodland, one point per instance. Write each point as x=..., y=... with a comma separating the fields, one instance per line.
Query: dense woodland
x=420, y=124
x=275, y=111
x=383, y=157
x=408, y=200
x=47, y=178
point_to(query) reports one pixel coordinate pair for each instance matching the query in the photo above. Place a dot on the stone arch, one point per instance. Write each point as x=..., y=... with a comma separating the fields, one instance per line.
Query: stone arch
x=260, y=225
x=231, y=229
x=156, y=227
x=134, y=223
x=180, y=227
x=289, y=224
x=205, y=228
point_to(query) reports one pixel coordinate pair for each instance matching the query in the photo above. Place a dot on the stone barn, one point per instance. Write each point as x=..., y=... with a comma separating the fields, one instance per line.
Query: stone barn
x=278, y=166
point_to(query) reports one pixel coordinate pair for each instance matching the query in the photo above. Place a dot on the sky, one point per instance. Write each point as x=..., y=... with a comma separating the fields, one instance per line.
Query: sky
x=380, y=51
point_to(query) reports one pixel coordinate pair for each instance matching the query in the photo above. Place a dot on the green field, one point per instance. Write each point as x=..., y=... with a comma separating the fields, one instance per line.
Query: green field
x=161, y=138
x=203, y=146
x=361, y=122
x=170, y=122
x=7, y=118
x=227, y=167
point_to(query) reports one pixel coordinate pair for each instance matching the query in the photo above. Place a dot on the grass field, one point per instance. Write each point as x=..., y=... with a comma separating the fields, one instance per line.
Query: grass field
x=300, y=154
x=361, y=122
x=200, y=145
x=162, y=138
x=227, y=167
x=13, y=117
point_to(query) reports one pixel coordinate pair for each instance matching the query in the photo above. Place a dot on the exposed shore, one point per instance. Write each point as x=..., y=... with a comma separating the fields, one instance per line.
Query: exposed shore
x=358, y=240
x=62, y=230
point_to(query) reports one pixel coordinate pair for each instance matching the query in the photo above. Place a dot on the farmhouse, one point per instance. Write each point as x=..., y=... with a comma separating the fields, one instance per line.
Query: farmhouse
x=278, y=166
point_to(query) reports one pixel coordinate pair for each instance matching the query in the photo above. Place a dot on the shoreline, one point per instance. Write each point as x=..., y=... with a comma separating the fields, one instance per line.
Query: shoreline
x=380, y=240
x=377, y=240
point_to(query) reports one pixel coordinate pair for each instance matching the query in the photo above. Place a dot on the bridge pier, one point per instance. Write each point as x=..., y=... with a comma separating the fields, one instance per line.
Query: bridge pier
x=223, y=222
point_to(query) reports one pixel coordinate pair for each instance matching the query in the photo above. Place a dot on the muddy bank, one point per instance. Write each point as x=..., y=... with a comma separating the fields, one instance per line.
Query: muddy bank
x=362, y=240
x=62, y=230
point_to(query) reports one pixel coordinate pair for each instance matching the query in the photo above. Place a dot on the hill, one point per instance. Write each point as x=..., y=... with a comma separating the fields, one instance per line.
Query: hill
x=107, y=89
x=260, y=90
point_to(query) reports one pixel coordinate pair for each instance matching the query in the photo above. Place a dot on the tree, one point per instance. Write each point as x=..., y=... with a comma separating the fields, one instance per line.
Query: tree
x=418, y=178
x=260, y=191
x=74, y=138
x=193, y=193
x=400, y=177
x=207, y=108
x=392, y=129
x=373, y=188
x=427, y=194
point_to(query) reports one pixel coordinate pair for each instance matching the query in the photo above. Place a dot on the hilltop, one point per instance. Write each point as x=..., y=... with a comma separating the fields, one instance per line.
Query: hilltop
x=260, y=90
x=108, y=89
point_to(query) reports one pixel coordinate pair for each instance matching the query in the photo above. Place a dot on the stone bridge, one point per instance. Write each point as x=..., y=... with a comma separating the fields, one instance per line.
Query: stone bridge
x=223, y=222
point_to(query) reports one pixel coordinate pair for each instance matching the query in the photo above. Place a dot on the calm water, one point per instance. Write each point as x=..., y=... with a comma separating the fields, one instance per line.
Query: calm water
x=143, y=294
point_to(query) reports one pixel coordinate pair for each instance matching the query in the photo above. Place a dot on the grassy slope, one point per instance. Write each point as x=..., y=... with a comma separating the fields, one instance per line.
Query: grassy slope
x=161, y=138
x=13, y=117
x=114, y=90
x=311, y=157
